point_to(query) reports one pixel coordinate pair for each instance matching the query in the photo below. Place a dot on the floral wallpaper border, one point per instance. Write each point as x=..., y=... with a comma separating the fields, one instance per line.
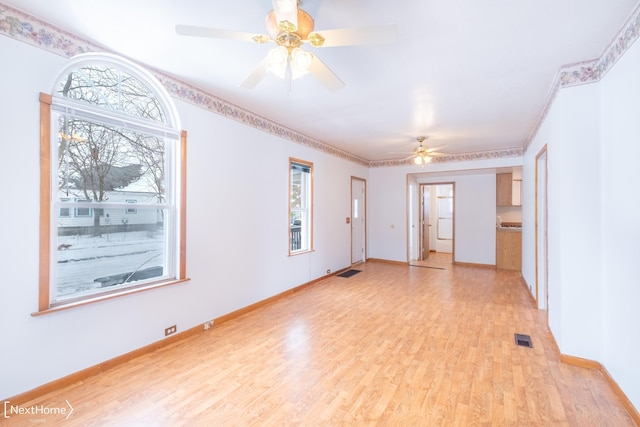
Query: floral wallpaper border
x=462, y=157
x=591, y=71
x=26, y=28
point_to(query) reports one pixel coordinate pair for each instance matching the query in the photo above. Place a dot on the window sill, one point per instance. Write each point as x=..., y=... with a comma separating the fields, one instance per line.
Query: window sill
x=107, y=296
x=301, y=252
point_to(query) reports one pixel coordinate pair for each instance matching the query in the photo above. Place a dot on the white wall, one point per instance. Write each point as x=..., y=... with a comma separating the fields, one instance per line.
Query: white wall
x=475, y=218
x=591, y=133
x=387, y=204
x=237, y=234
x=620, y=218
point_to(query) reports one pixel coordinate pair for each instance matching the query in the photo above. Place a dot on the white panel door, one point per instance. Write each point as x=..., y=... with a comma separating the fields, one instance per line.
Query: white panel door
x=358, y=220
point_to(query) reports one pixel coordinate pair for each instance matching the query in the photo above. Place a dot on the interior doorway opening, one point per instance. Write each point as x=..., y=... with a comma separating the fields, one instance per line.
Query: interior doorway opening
x=431, y=224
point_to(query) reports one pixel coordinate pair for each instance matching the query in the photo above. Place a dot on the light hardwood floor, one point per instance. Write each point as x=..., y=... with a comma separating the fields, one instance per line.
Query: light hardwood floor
x=391, y=346
x=437, y=260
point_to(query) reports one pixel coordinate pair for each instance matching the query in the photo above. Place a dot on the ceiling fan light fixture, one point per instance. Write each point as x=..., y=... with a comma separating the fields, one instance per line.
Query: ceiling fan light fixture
x=421, y=152
x=277, y=61
x=422, y=159
x=300, y=62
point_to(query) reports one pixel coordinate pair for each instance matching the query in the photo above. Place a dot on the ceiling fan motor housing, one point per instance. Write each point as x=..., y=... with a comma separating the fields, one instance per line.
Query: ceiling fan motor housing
x=305, y=26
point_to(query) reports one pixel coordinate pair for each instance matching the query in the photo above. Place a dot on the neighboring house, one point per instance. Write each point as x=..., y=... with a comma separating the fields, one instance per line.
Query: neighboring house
x=77, y=220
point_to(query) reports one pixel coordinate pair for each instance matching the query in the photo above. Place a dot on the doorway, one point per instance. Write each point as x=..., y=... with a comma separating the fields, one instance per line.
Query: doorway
x=434, y=231
x=358, y=220
x=541, y=240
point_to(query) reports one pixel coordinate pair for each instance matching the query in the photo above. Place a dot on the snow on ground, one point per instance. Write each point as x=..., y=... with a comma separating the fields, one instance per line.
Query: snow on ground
x=88, y=257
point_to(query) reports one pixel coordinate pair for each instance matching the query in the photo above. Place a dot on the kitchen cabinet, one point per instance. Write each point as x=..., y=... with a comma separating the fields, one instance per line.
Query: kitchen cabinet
x=509, y=249
x=508, y=190
x=504, y=189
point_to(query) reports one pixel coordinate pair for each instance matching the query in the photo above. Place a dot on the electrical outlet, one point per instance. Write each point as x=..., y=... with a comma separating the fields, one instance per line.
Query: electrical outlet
x=170, y=330
x=208, y=325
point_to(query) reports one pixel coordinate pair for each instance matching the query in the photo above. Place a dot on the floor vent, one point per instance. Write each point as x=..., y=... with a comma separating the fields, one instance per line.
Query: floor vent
x=523, y=340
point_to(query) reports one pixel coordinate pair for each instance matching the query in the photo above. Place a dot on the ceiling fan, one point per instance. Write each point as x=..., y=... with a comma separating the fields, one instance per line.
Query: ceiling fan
x=422, y=154
x=290, y=28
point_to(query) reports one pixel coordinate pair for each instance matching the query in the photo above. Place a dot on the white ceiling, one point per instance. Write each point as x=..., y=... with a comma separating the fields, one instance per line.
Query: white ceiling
x=472, y=75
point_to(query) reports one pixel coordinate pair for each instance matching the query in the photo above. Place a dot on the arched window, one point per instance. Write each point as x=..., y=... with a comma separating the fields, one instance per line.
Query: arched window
x=112, y=211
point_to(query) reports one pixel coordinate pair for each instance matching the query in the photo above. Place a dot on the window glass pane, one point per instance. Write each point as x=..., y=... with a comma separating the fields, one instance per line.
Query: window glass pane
x=113, y=89
x=300, y=207
x=121, y=252
x=94, y=159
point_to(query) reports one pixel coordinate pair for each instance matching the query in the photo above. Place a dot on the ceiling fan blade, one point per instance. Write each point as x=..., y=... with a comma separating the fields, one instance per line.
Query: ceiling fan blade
x=217, y=33
x=357, y=36
x=286, y=14
x=327, y=77
x=430, y=150
x=256, y=75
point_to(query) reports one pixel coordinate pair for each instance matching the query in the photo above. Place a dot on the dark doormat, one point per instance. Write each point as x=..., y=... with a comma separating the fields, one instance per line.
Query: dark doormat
x=349, y=273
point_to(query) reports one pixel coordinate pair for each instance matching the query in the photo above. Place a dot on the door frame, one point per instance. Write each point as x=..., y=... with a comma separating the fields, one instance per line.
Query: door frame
x=541, y=232
x=364, y=218
x=413, y=208
x=423, y=253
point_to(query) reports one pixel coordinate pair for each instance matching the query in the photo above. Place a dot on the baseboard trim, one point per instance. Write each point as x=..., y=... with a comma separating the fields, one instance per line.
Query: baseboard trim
x=529, y=291
x=633, y=412
x=473, y=264
x=83, y=374
x=266, y=301
x=91, y=371
x=580, y=362
x=597, y=366
x=405, y=263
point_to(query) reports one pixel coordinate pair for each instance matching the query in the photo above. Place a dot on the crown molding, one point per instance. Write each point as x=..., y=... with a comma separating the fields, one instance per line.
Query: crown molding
x=203, y=99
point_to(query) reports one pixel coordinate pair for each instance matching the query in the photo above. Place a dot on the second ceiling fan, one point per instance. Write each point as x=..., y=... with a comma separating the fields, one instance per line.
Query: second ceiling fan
x=290, y=28
x=422, y=154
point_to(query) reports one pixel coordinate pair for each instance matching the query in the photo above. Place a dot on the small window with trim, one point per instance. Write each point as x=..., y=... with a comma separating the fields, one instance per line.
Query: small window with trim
x=300, y=206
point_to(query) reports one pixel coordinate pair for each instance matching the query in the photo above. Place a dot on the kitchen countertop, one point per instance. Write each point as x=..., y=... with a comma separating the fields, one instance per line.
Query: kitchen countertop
x=509, y=229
